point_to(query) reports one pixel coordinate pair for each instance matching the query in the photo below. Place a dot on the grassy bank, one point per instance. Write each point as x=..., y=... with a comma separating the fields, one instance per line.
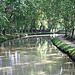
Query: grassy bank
x=37, y=33
x=63, y=46
x=8, y=37
x=13, y=36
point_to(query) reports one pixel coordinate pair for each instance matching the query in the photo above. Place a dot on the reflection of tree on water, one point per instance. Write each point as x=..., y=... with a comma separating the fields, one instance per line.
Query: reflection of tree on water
x=0, y=45
x=0, y=48
x=42, y=46
x=40, y=55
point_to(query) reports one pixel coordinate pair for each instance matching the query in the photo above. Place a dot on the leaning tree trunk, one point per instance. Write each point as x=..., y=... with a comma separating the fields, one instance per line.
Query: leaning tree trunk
x=73, y=29
x=72, y=33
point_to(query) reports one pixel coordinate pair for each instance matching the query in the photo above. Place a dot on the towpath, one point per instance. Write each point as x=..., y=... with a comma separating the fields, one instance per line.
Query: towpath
x=66, y=41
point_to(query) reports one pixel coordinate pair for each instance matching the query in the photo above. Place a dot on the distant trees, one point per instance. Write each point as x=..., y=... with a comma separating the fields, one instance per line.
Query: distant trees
x=67, y=12
x=29, y=15
x=60, y=13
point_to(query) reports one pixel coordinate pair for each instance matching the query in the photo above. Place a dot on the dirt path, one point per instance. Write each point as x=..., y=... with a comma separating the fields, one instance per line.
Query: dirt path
x=66, y=41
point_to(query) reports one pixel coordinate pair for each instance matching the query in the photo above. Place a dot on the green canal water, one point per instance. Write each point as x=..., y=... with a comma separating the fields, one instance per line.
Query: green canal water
x=34, y=56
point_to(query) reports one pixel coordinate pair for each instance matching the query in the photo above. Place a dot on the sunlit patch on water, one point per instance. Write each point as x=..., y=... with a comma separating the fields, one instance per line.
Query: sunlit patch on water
x=45, y=62
x=38, y=63
x=52, y=54
x=58, y=57
x=69, y=70
x=13, y=55
x=6, y=68
x=17, y=49
x=20, y=64
x=22, y=52
x=41, y=73
x=68, y=63
x=7, y=52
x=48, y=62
x=2, y=56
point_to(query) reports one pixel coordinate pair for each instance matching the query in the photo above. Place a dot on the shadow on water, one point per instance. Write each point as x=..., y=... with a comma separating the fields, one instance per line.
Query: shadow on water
x=34, y=56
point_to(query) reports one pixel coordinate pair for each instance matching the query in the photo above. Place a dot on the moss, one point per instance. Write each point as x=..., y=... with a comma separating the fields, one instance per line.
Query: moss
x=63, y=46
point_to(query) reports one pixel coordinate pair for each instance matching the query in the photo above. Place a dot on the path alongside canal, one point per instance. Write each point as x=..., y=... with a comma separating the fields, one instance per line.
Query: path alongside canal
x=66, y=41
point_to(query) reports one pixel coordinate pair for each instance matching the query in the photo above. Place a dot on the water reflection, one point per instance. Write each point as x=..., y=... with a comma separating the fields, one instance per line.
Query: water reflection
x=34, y=56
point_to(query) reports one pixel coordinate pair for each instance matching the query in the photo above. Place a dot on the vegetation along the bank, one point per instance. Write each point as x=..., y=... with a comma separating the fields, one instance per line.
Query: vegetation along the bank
x=22, y=16
x=63, y=46
x=13, y=36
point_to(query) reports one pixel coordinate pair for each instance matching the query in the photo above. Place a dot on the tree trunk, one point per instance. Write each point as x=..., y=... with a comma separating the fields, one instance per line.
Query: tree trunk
x=66, y=32
x=49, y=25
x=66, y=25
x=4, y=32
x=72, y=33
x=55, y=29
x=25, y=30
x=40, y=28
x=31, y=27
x=32, y=23
x=21, y=30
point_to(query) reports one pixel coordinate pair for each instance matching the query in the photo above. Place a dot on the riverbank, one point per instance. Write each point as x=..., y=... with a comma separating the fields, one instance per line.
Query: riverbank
x=14, y=36
x=65, y=46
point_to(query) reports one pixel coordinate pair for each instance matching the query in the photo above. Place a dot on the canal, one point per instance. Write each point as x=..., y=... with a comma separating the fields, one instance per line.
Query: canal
x=34, y=56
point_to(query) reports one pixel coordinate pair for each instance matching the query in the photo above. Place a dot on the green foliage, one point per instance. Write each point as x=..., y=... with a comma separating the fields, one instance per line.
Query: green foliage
x=40, y=33
x=1, y=34
x=2, y=39
x=9, y=37
x=16, y=15
x=63, y=46
x=21, y=35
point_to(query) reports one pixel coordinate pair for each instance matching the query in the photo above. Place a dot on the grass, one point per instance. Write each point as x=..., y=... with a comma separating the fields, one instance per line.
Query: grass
x=37, y=33
x=63, y=46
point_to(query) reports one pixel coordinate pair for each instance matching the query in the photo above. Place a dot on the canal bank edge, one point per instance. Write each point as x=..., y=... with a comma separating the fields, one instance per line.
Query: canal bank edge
x=63, y=47
x=14, y=36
